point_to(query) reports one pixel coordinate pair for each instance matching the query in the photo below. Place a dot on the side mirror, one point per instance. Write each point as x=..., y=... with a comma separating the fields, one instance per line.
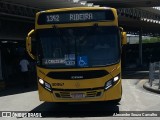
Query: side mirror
x=121, y=29
x=29, y=44
x=124, y=38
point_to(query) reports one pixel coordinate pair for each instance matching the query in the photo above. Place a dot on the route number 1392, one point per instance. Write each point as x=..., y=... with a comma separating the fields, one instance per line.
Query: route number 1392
x=52, y=18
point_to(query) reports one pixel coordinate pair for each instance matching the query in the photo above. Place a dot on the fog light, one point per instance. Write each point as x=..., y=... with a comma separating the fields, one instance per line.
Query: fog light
x=41, y=81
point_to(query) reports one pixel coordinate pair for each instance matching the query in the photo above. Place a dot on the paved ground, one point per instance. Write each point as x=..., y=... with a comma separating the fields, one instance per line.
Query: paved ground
x=135, y=98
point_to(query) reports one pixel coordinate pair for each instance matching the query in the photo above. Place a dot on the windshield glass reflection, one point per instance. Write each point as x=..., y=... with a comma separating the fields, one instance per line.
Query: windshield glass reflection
x=79, y=47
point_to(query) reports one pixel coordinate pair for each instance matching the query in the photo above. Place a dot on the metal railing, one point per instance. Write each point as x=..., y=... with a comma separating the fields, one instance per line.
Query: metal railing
x=154, y=73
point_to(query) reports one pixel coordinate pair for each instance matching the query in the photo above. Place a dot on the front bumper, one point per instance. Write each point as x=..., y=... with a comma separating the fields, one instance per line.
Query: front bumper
x=115, y=92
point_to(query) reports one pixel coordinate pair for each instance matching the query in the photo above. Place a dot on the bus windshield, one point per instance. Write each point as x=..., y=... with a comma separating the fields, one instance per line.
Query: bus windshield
x=78, y=46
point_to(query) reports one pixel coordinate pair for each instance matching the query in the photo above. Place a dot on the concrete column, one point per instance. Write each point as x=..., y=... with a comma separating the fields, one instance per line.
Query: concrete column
x=1, y=78
x=2, y=83
x=140, y=47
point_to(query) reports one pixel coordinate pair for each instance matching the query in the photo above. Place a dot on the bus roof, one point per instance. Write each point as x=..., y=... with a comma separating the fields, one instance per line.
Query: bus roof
x=77, y=8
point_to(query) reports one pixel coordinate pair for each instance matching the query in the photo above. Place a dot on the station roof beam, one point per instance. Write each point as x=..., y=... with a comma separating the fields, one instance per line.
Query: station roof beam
x=126, y=3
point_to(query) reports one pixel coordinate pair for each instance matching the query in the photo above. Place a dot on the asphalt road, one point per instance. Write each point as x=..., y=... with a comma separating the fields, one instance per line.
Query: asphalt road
x=134, y=98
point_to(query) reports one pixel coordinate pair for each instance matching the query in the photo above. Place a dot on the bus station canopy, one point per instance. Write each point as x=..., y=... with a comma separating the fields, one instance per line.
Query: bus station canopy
x=129, y=23
x=49, y=4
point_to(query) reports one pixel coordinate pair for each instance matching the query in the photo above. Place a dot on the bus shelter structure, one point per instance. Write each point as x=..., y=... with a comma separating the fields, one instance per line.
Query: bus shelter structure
x=136, y=17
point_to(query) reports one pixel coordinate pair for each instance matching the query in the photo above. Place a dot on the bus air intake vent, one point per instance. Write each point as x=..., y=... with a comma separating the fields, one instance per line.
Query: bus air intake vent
x=77, y=75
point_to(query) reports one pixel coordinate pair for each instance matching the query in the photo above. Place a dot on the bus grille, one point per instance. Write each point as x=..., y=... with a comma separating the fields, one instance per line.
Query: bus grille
x=88, y=94
x=68, y=75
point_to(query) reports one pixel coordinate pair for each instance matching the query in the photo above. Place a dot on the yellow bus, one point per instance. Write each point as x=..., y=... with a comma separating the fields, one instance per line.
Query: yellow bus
x=78, y=54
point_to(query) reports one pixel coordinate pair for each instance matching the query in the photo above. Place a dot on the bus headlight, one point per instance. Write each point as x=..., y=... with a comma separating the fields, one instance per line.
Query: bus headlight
x=41, y=81
x=112, y=82
x=116, y=78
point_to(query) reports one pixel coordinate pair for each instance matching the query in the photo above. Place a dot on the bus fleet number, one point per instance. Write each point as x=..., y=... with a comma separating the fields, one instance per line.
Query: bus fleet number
x=57, y=84
x=51, y=18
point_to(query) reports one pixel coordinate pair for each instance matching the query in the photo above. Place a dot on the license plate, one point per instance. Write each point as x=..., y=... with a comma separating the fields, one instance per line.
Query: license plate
x=78, y=95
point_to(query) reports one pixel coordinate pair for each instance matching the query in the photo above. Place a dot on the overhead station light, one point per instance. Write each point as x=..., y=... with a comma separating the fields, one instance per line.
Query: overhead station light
x=4, y=41
x=89, y=4
x=150, y=20
x=83, y=2
x=158, y=8
x=144, y=19
x=75, y=1
x=96, y=6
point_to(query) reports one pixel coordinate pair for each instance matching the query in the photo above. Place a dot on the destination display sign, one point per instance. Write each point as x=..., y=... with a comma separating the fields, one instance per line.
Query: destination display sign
x=75, y=17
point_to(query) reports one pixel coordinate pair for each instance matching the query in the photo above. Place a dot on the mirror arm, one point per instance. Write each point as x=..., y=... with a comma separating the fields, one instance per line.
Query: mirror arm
x=29, y=45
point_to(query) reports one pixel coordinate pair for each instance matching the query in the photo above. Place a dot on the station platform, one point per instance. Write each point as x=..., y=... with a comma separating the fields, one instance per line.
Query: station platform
x=153, y=88
x=142, y=73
